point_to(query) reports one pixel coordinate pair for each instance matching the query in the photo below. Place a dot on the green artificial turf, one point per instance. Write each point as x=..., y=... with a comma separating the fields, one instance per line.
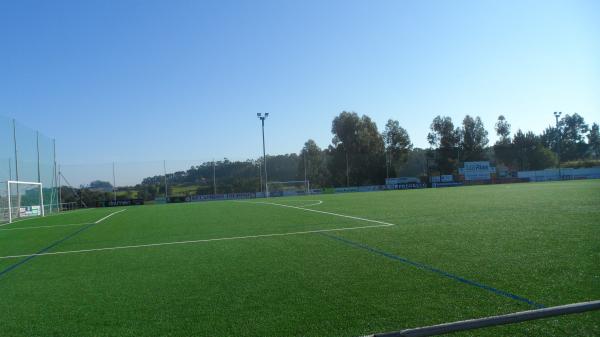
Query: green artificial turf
x=539, y=242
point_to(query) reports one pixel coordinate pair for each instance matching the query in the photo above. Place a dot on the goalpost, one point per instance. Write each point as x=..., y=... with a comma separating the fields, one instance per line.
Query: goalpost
x=22, y=199
x=289, y=188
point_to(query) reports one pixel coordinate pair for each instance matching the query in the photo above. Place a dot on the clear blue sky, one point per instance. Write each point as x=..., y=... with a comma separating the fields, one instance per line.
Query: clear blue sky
x=148, y=80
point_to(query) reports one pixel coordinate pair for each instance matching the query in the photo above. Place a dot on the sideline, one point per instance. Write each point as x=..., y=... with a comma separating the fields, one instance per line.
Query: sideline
x=48, y=226
x=191, y=242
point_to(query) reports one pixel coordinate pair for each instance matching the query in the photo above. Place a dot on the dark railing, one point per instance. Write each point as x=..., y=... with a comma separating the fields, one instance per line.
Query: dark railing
x=471, y=324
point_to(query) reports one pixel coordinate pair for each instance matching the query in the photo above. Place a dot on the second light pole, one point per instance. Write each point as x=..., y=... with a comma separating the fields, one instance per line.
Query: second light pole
x=262, y=118
x=558, y=140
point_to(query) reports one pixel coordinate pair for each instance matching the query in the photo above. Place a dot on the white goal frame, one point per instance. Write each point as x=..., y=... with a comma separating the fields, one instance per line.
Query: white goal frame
x=9, y=182
x=306, y=184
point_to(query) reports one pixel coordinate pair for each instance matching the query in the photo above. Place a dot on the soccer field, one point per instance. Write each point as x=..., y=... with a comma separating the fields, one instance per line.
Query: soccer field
x=321, y=265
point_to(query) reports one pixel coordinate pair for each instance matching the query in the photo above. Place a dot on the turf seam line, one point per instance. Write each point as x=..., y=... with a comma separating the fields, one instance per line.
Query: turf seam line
x=193, y=241
x=54, y=244
x=435, y=270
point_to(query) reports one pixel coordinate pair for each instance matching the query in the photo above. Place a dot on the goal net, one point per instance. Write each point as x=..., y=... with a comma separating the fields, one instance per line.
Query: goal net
x=285, y=188
x=20, y=199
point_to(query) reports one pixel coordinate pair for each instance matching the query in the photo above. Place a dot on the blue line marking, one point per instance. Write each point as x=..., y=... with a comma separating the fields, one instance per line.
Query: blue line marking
x=43, y=250
x=437, y=271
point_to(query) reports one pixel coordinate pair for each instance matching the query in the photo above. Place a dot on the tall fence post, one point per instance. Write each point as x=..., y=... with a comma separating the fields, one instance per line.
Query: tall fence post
x=54, y=177
x=166, y=187
x=114, y=185
x=37, y=149
x=16, y=161
x=214, y=178
x=59, y=189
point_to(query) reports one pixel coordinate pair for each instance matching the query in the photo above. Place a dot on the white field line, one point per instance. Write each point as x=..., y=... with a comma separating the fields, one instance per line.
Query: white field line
x=315, y=202
x=380, y=224
x=108, y=216
x=322, y=212
x=193, y=241
x=48, y=226
x=318, y=202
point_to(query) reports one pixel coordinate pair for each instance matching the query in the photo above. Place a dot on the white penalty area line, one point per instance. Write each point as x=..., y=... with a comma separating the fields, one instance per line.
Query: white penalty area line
x=316, y=202
x=108, y=216
x=193, y=241
x=379, y=224
x=322, y=212
x=65, y=225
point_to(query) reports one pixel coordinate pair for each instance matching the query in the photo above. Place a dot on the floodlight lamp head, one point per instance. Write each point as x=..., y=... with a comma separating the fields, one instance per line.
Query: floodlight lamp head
x=258, y=114
x=266, y=114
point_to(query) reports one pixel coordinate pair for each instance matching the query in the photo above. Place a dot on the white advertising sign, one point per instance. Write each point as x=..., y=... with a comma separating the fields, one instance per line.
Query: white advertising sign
x=401, y=180
x=477, y=170
x=28, y=211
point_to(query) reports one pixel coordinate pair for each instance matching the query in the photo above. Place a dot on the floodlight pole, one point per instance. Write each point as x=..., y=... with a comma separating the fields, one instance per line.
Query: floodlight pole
x=558, y=139
x=262, y=118
x=260, y=176
x=305, y=175
x=166, y=187
x=114, y=185
x=214, y=178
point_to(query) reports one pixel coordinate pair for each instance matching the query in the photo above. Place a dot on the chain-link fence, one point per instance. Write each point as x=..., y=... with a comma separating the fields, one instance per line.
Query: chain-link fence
x=124, y=183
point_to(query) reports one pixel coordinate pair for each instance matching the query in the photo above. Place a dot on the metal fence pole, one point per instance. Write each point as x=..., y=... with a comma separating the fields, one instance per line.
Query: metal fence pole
x=16, y=161
x=54, y=176
x=9, y=203
x=59, y=189
x=37, y=148
x=214, y=178
x=15, y=146
x=114, y=185
x=166, y=187
x=41, y=199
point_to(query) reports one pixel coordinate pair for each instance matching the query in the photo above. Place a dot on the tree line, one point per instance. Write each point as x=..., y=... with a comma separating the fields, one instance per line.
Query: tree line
x=361, y=154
